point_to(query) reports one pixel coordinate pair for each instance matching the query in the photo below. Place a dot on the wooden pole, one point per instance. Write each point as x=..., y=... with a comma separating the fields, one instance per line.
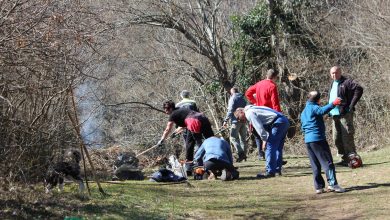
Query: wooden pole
x=75, y=123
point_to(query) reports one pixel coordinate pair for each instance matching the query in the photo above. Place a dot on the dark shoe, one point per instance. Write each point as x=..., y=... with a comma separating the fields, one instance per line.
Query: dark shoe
x=241, y=157
x=342, y=163
x=265, y=175
x=284, y=162
x=261, y=155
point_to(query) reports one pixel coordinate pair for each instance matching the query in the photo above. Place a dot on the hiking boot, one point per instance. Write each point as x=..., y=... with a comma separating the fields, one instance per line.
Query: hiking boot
x=226, y=175
x=336, y=188
x=319, y=191
x=265, y=175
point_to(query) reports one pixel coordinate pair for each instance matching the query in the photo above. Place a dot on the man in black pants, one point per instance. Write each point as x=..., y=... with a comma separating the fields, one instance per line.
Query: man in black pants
x=197, y=124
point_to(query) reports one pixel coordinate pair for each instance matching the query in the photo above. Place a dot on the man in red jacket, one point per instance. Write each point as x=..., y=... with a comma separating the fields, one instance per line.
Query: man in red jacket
x=265, y=92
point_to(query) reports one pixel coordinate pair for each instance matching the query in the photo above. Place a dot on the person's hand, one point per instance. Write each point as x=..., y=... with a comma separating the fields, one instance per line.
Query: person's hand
x=173, y=135
x=337, y=101
x=160, y=142
x=224, y=124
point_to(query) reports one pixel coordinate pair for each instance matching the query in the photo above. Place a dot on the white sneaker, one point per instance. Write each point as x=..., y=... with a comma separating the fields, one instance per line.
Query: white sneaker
x=319, y=191
x=336, y=188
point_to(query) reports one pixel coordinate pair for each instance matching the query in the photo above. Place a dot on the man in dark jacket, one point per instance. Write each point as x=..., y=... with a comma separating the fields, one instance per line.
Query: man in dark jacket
x=350, y=93
x=238, y=130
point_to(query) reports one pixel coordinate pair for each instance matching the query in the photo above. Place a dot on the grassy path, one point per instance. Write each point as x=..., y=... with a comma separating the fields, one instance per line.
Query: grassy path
x=288, y=197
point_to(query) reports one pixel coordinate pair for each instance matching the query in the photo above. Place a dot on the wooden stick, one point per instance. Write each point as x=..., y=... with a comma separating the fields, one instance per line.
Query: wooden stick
x=149, y=149
x=75, y=122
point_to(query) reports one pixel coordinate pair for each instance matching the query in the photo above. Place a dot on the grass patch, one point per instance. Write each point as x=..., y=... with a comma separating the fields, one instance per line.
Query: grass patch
x=288, y=197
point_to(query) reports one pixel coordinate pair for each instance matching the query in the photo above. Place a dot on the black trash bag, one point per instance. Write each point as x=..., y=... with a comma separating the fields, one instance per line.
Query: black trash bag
x=165, y=175
x=127, y=167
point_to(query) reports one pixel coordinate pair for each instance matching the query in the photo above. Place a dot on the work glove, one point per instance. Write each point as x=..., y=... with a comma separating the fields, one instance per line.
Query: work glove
x=337, y=101
x=160, y=142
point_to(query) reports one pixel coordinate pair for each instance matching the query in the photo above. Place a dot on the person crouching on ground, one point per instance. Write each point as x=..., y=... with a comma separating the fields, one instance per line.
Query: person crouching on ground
x=216, y=157
x=313, y=127
x=272, y=128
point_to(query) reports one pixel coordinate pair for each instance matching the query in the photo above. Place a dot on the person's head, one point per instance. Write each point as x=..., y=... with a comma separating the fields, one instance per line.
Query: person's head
x=185, y=94
x=234, y=90
x=272, y=74
x=335, y=72
x=240, y=115
x=168, y=106
x=314, y=96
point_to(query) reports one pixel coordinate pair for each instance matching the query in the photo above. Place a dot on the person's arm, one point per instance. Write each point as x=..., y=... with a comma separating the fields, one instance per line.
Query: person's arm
x=327, y=108
x=257, y=125
x=167, y=130
x=275, y=99
x=357, y=94
x=249, y=94
x=230, y=112
x=199, y=154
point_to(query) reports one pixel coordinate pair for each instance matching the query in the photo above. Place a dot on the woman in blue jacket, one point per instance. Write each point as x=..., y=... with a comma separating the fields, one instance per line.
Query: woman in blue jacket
x=313, y=127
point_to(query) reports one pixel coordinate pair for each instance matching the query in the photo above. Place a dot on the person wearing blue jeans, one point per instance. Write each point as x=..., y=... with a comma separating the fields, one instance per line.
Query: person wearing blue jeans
x=313, y=127
x=272, y=128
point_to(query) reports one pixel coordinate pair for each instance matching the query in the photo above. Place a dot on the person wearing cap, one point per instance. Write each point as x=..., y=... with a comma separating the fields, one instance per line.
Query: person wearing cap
x=216, y=157
x=313, y=128
x=272, y=128
x=343, y=129
x=238, y=130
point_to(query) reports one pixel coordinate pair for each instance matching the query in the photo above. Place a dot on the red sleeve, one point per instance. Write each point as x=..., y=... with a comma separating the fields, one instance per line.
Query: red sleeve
x=275, y=99
x=249, y=94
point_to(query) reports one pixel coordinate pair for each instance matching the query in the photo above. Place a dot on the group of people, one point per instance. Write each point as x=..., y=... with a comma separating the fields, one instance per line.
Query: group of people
x=269, y=126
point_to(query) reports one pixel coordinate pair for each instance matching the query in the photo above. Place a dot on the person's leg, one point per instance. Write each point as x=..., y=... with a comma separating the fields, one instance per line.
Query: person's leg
x=235, y=139
x=325, y=157
x=312, y=149
x=242, y=133
x=259, y=144
x=189, y=145
x=337, y=138
x=347, y=133
x=282, y=125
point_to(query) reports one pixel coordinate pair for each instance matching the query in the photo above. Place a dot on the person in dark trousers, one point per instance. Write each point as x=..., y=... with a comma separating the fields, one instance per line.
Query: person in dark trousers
x=264, y=93
x=238, y=130
x=343, y=129
x=197, y=123
x=313, y=128
x=188, y=138
x=216, y=157
x=272, y=128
